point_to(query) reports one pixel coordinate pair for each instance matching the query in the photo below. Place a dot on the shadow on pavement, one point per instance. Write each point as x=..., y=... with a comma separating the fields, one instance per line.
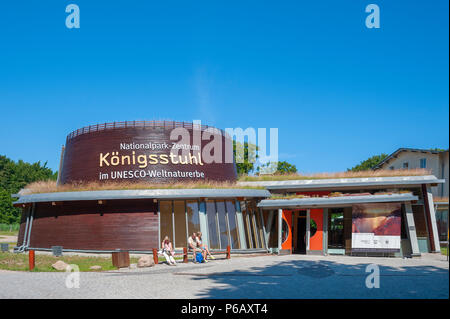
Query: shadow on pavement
x=311, y=279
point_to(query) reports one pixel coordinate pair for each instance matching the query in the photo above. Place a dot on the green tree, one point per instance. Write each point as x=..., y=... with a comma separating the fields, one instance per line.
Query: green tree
x=245, y=164
x=286, y=168
x=368, y=163
x=282, y=167
x=13, y=177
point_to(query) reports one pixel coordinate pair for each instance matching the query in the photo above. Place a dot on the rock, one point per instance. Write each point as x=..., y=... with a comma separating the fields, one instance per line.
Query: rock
x=60, y=265
x=145, y=261
x=96, y=267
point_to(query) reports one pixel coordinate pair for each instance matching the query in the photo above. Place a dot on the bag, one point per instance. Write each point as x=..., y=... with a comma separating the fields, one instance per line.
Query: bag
x=199, y=257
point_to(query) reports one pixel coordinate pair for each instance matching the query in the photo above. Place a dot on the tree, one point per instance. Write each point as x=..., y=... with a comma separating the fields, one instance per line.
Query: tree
x=369, y=163
x=246, y=164
x=281, y=167
x=286, y=168
x=13, y=177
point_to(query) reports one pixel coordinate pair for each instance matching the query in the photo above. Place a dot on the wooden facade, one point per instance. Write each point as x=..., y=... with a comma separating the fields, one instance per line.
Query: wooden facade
x=87, y=225
x=81, y=159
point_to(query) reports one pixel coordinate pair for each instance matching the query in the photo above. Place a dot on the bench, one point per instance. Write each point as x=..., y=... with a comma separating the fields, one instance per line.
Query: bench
x=185, y=253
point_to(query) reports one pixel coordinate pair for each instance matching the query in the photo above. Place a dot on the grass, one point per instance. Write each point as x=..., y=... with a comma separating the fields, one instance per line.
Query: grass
x=51, y=187
x=444, y=251
x=349, y=174
x=334, y=194
x=7, y=233
x=43, y=263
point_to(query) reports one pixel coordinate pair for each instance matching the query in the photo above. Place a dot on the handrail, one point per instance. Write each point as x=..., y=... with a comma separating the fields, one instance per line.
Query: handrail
x=132, y=124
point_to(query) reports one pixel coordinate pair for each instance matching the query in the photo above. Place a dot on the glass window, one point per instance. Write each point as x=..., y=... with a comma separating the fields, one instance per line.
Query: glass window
x=231, y=210
x=165, y=220
x=212, y=227
x=253, y=230
x=246, y=224
x=259, y=228
x=273, y=236
x=405, y=165
x=193, y=217
x=423, y=163
x=223, y=227
x=179, y=211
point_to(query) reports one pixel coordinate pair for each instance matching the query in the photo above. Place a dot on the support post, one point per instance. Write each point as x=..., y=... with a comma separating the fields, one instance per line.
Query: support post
x=430, y=213
x=280, y=221
x=412, y=236
x=185, y=254
x=228, y=252
x=31, y=259
x=155, y=256
x=308, y=229
x=325, y=231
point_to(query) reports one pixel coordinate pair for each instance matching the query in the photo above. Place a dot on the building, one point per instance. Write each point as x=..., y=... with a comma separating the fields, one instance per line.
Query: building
x=409, y=158
x=388, y=216
x=395, y=216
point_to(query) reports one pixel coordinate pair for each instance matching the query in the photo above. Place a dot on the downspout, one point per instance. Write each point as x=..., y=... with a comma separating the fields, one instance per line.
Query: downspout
x=27, y=234
x=31, y=225
x=21, y=248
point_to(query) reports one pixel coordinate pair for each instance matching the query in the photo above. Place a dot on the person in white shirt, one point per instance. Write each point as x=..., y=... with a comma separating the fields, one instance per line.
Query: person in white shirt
x=168, y=251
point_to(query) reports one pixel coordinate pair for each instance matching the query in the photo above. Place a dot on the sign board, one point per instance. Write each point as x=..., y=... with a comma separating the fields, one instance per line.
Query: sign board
x=376, y=227
x=148, y=154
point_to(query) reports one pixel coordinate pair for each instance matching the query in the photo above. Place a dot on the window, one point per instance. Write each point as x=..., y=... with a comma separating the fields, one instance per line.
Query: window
x=165, y=220
x=234, y=234
x=193, y=217
x=180, y=223
x=212, y=225
x=223, y=227
x=405, y=165
x=423, y=163
x=245, y=213
x=391, y=168
x=252, y=222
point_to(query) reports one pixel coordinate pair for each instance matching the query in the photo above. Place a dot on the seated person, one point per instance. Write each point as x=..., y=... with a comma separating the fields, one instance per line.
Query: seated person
x=168, y=251
x=202, y=246
x=194, y=246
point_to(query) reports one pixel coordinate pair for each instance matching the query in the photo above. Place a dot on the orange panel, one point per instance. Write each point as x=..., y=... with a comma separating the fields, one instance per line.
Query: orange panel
x=287, y=216
x=316, y=241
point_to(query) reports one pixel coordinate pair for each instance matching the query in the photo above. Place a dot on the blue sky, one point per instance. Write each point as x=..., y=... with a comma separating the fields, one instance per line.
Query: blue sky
x=337, y=91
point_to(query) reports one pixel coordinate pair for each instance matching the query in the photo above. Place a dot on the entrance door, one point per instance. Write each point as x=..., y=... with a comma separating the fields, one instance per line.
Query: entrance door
x=299, y=230
x=336, y=244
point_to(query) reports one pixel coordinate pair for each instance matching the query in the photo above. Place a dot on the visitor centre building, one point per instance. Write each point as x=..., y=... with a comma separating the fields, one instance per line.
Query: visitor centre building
x=121, y=186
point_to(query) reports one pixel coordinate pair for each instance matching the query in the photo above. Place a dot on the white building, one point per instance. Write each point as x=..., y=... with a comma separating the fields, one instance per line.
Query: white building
x=410, y=158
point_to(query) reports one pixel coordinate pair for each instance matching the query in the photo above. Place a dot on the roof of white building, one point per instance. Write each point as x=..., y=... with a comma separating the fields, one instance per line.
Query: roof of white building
x=346, y=183
x=312, y=202
x=405, y=149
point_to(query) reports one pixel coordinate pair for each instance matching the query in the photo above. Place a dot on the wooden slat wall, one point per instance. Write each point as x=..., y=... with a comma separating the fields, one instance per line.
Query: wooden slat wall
x=128, y=224
x=81, y=158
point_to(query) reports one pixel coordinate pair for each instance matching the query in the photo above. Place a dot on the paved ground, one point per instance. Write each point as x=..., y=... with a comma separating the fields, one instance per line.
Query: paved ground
x=292, y=276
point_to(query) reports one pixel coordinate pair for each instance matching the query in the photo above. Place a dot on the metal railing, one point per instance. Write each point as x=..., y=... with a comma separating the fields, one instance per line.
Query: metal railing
x=133, y=124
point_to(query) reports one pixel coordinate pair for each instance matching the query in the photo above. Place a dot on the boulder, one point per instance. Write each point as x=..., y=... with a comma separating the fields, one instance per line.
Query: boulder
x=60, y=265
x=145, y=261
x=95, y=267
